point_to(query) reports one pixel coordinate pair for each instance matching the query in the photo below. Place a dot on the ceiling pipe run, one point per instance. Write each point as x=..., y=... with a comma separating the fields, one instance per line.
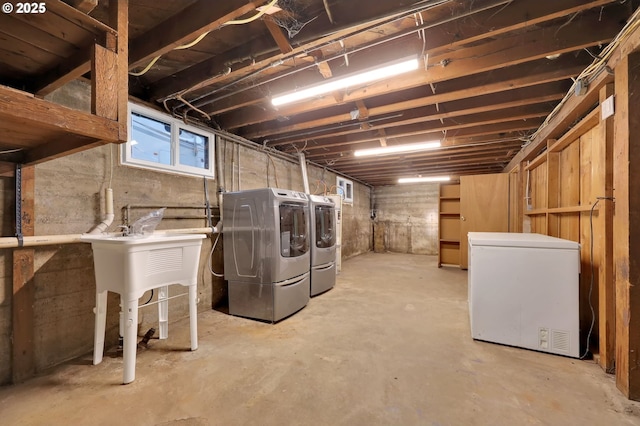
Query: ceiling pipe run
x=199, y=101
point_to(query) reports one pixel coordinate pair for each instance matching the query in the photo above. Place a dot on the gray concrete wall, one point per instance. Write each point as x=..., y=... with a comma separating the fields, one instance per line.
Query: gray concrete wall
x=407, y=218
x=69, y=199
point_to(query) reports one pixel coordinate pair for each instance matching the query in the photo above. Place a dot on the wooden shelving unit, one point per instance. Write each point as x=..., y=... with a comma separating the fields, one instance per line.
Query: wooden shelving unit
x=34, y=129
x=449, y=225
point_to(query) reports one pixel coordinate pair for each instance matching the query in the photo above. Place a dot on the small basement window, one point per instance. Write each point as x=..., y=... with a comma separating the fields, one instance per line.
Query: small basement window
x=160, y=142
x=345, y=188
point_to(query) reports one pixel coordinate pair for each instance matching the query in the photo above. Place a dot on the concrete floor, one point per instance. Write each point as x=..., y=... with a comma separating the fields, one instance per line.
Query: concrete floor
x=390, y=345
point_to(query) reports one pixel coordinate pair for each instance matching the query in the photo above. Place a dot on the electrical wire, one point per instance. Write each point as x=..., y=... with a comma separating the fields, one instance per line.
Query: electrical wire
x=9, y=151
x=591, y=280
x=592, y=71
x=275, y=172
x=147, y=302
x=147, y=68
x=264, y=10
x=202, y=36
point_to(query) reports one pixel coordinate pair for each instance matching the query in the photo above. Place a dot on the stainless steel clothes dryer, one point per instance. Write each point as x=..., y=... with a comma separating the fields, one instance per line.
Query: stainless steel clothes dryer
x=266, y=252
x=323, y=244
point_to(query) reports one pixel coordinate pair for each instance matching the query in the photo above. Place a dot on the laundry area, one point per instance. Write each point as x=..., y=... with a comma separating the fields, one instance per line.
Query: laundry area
x=319, y=212
x=366, y=352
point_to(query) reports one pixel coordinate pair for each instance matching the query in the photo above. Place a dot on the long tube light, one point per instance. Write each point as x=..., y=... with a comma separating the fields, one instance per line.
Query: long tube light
x=352, y=80
x=394, y=149
x=425, y=179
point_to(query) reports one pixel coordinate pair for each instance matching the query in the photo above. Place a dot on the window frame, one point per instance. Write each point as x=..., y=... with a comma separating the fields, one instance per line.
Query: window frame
x=127, y=159
x=341, y=186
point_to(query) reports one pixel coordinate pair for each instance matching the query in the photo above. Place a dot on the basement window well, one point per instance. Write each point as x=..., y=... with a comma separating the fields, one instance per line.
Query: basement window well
x=160, y=142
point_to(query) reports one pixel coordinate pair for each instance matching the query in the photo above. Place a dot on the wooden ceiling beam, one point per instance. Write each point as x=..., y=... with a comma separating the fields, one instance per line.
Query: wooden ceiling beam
x=494, y=22
x=424, y=170
x=439, y=159
x=468, y=88
x=505, y=52
x=323, y=66
x=429, y=121
x=206, y=72
x=84, y=6
x=548, y=92
x=584, y=31
x=531, y=15
x=454, y=175
x=185, y=27
x=195, y=77
x=277, y=34
x=368, y=175
x=453, y=131
x=490, y=56
x=416, y=156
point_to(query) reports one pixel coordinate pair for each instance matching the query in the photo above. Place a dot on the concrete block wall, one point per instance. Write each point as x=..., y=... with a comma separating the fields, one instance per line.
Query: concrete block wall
x=69, y=199
x=406, y=218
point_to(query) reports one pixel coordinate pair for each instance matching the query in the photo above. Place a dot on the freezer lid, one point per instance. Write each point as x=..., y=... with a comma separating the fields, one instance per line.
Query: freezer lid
x=523, y=240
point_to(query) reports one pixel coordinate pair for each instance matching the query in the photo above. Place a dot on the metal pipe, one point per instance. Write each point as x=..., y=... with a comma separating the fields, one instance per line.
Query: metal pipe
x=198, y=101
x=279, y=154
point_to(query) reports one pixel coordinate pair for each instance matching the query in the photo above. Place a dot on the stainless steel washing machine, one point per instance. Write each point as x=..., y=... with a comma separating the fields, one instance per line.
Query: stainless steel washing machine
x=266, y=252
x=323, y=244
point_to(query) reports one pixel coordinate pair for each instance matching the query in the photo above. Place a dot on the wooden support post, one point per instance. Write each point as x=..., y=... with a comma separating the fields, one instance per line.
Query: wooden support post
x=626, y=226
x=603, y=241
x=553, y=189
x=23, y=361
x=119, y=20
x=104, y=89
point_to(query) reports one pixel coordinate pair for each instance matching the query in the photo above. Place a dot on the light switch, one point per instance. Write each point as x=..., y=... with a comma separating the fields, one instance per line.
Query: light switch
x=606, y=109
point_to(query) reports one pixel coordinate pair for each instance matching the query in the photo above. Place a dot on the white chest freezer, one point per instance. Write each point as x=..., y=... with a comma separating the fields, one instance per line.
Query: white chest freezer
x=524, y=291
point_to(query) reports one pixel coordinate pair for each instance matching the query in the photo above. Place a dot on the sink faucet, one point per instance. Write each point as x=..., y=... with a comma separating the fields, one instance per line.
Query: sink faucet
x=125, y=230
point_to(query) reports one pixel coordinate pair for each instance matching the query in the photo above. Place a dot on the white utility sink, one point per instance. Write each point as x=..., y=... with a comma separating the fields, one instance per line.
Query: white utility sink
x=132, y=265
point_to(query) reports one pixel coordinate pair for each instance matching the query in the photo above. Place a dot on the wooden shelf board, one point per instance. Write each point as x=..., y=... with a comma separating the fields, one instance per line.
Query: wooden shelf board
x=589, y=121
x=559, y=210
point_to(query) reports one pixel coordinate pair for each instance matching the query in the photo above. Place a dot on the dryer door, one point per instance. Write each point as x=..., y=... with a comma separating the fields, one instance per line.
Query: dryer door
x=294, y=234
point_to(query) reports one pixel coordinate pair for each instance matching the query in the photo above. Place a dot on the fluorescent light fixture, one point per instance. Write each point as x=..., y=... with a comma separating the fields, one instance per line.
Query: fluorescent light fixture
x=353, y=80
x=425, y=179
x=394, y=149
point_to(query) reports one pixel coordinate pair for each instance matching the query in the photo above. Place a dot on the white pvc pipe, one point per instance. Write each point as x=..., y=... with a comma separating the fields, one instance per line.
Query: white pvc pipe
x=108, y=217
x=47, y=240
x=303, y=168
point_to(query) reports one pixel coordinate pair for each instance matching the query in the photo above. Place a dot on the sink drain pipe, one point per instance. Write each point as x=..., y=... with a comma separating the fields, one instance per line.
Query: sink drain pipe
x=108, y=217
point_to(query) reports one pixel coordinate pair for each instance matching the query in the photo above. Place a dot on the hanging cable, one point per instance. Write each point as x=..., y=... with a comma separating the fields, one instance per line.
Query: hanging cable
x=202, y=36
x=147, y=68
x=593, y=70
x=181, y=99
x=215, y=243
x=593, y=314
